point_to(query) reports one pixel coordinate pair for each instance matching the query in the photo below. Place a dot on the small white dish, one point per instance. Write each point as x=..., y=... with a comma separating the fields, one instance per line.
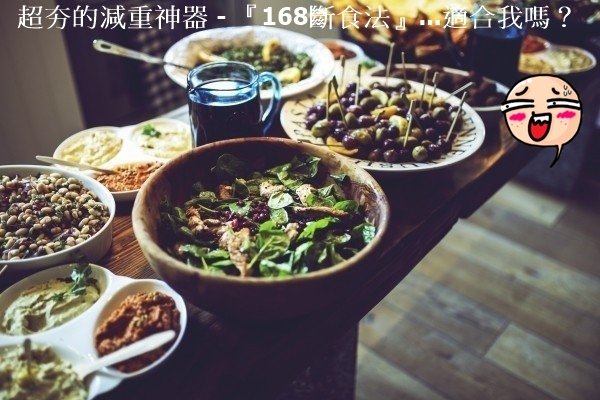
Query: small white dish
x=74, y=340
x=130, y=152
x=182, y=53
x=92, y=249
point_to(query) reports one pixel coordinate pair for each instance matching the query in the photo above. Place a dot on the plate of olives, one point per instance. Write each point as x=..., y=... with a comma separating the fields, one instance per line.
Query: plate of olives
x=372, y=124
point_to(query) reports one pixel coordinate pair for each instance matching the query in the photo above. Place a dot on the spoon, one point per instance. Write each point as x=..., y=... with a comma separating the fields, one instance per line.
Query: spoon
x=3, y=269
x=52, y=160
x=145, y=345
x=110, y=48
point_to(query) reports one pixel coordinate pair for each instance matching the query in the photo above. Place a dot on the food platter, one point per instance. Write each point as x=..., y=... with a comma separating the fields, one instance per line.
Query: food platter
x=74, y=340
x=133, y=148
x=500, y=88
x=469, y=138
x=91, y=249
x=557, y=59
x=183, y=53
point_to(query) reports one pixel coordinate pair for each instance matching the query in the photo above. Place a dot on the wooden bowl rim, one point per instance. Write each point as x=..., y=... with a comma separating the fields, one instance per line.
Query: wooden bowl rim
x=149, y=246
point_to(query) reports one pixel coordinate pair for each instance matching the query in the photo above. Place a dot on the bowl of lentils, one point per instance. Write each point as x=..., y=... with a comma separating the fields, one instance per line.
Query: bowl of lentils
x=50, y=216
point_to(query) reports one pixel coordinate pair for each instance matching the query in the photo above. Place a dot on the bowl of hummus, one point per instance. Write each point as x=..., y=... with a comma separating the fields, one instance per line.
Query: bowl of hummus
x=94, y=146
x=49, y=374
x=51, y=298
x=162, y=138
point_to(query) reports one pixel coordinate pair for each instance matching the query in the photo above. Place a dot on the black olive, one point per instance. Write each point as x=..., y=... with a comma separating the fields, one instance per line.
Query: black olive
x=390, y=156
x=349, y=142
x=375, y=155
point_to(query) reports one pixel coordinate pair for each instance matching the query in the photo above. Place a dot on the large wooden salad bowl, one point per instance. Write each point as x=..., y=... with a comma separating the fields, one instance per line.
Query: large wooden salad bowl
x=253, y=298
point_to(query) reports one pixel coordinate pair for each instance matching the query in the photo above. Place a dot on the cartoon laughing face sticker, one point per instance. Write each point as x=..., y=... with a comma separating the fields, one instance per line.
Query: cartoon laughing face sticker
x=543, y=110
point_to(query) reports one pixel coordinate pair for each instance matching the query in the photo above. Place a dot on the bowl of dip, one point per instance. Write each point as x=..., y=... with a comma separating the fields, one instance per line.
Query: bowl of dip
x=136, y=310
x=51, y=298
x=75, y=215
x=162, y=138
x=94, y=146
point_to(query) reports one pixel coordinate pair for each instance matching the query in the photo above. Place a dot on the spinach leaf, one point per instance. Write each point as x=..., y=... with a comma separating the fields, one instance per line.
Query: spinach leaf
x=364, y=232
x=313, y=200
x=242, y=210
x=288, y=181
x=279, y=216
x=305, y=165
x=313, y=227
x=280, y=200
x=268, y=225
x=334, y=256
x=229, y=167
x=339, y=178
x=346, y=205
x=240, y=190
x=273, y=269
x=270, y=244
x=337, y=239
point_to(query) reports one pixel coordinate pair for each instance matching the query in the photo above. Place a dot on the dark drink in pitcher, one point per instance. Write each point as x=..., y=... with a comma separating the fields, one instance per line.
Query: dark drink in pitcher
x=224, y=102
x=213, y=118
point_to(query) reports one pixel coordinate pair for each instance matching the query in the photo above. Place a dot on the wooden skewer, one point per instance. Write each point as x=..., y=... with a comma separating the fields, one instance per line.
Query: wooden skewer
x=4, y=268
x=343, y=64
x=404, y=70
x=337, y=96
x=357, y=84
x=389, y=63
x=410, y=117
x=434, y=80
x=328, y=101
x=462, y=100
x=423, y=89
x=460, y=89
x=27, y=349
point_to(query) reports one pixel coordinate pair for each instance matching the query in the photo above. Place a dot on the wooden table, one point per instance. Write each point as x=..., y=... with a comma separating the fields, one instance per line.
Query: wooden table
x=229, y=359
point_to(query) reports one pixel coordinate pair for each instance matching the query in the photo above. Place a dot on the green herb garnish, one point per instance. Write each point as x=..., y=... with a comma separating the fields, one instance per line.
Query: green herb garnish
x=150, y=130
x=80, y=276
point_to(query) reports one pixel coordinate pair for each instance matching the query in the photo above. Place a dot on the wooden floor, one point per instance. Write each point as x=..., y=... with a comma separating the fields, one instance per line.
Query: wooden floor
x=507, y=306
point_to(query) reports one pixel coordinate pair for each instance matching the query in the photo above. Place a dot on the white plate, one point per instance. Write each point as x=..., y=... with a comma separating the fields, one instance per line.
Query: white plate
x=74, y=340
x=182, y=53
x=470, y=137
x=544, y=56
x=130, y=152
x=500, y=88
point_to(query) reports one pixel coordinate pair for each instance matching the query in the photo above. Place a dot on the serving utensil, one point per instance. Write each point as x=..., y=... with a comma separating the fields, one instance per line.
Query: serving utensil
x=52, y=160
x=111, y=48
x=145, y=345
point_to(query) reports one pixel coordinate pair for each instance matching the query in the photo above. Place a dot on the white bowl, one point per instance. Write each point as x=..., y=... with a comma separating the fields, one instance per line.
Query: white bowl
x=74, y=340
x=92, y=249
x=182, y=53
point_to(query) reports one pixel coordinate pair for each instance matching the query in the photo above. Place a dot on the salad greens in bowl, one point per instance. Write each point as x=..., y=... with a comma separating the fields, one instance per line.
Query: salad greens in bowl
x=261, y=228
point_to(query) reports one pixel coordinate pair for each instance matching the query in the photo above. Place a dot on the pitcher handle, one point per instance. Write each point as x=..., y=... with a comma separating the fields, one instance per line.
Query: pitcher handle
x=271, y=111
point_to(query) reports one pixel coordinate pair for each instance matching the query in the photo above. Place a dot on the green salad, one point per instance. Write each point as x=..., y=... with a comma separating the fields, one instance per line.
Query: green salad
x=287, y=220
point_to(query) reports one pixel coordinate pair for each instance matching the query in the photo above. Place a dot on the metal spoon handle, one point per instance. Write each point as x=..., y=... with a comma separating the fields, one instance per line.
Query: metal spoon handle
x=111, y=48
x=52, y=160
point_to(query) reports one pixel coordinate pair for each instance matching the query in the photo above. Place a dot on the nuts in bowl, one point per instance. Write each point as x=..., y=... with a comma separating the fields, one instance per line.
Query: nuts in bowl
x=49, y=216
